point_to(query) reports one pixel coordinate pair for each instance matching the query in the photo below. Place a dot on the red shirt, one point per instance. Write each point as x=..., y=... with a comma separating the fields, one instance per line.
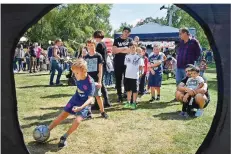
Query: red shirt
x=145, y=65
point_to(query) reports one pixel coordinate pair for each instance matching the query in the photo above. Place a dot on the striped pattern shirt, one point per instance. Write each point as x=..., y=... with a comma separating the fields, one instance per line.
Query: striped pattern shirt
x=187, y=53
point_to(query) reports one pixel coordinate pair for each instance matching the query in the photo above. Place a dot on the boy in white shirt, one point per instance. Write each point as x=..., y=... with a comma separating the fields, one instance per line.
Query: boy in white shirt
x=134, y=65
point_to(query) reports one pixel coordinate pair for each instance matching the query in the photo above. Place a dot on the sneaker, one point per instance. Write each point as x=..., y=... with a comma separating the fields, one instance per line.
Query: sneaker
x=133, y=106
x=152, y=99
x=58, y=84
x=199, y=112
x=127, y=105
x=158, y=98
x=104, y=115
x=181, y=113
x=51, y=84
x=62, y=143
x=120, y=99
x=186, y=115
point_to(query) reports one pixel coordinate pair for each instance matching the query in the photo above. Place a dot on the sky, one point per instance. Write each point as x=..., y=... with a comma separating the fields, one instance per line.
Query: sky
x=132, y=13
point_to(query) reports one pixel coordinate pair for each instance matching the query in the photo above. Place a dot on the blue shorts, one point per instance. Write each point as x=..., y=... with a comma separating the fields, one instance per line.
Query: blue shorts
x=75, y=101
x=154, y=80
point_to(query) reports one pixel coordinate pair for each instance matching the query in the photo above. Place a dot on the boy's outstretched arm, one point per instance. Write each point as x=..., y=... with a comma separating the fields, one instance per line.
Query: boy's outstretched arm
x=88, y=102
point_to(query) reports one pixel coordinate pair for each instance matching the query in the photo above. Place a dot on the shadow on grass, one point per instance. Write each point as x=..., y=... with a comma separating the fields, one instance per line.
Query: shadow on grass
x=172, y=83
x=171, y=116
x=44, y=116
x=57, y=96
x=155, y=105
x=40, y=86
x=47, y=122
x=42, y=148
x=52, y=108
x=38, y=74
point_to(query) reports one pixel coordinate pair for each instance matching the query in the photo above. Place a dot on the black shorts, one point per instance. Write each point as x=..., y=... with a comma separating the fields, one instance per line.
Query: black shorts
x=131, y=85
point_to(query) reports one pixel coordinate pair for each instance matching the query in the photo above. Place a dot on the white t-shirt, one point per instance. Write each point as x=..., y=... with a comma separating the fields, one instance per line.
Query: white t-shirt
x=193, y=83
x=174, y=63
x=133, y=62
x=109, y=64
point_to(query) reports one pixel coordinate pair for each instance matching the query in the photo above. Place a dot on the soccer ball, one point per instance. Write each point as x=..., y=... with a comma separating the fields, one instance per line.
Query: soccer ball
x=41, y=133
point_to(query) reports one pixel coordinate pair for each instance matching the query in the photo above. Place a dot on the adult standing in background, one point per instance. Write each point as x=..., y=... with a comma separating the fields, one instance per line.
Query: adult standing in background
x=120, y=49
x=19, y=55
x=55, y=63
x=38, y=51
x=102, y=49
x=63, y=55
x=32, y=58
x=188, y=52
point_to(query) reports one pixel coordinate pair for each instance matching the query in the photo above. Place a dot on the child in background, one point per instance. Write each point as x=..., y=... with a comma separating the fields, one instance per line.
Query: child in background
x=156, y=71
x=110, y=69
x=95, y=70
x=145, y=69
x=80, y=101
x=135, y=65
x=41, y=62
x=203, y=67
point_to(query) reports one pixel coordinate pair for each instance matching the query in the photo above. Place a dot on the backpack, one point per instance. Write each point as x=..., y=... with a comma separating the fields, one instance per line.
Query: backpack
x=50, y=50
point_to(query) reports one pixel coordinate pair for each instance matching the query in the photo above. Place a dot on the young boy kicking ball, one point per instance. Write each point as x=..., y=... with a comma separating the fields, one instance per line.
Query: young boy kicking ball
x=134, y=64
x=80, y=101
x=95, y=70
x=156, y=71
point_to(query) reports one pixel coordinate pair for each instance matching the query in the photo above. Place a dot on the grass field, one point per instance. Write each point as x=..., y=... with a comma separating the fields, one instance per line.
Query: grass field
x=153, y=128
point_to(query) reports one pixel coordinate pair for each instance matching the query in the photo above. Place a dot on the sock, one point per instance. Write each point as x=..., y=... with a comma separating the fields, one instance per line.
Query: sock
x=153, y=97
x=65, y=135
x=158, y=96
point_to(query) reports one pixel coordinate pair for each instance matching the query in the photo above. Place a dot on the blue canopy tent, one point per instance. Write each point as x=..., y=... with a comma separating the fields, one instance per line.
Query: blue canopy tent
x=153, y=32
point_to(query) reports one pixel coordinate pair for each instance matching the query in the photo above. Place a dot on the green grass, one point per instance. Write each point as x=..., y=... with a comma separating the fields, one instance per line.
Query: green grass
x=153, y=128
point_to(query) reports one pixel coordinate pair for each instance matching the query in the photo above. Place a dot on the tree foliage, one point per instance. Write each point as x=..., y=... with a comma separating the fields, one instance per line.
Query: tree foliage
x=183, y=19
x=73, y=23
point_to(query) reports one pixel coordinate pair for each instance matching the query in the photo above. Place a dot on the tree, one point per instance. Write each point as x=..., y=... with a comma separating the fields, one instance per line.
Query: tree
x=122, y=26
x=182, y=19
x=66, y=22
x=147, y=20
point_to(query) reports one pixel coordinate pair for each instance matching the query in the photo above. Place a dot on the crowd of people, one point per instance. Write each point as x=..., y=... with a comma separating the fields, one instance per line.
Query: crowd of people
x=135, y=72
x=33, y=58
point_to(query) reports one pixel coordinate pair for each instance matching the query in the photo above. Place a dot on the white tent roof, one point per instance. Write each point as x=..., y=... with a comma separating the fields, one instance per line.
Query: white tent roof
x=23, y=39
x=152, y=28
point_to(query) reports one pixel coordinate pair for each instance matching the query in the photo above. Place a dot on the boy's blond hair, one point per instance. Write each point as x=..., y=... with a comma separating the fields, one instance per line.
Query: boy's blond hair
x=138, y=49
x=91, y=41
x=81, y=64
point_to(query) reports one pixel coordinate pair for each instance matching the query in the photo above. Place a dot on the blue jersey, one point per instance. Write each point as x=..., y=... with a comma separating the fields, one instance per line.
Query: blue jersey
x=85, y=88
x=155, y=59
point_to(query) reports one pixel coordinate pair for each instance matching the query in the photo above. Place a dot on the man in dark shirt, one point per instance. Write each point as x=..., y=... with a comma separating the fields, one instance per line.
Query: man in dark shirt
x=102, y=49
x=187, y=53
x=202, y=97
x=120, y=49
